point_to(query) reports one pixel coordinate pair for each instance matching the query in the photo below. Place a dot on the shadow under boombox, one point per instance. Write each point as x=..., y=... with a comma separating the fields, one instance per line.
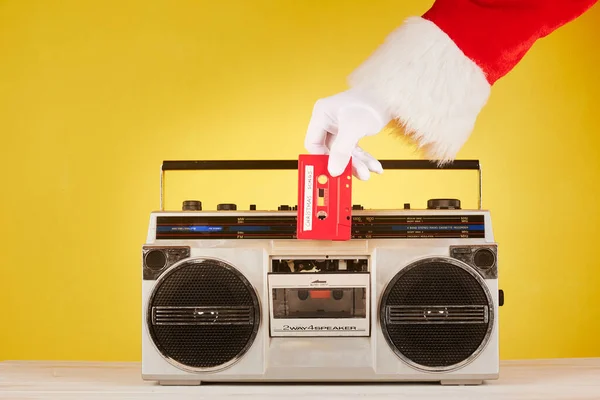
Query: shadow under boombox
x=233, y=296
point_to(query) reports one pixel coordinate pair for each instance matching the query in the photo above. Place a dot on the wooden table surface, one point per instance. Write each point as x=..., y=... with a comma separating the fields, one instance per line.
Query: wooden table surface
x=571, y=379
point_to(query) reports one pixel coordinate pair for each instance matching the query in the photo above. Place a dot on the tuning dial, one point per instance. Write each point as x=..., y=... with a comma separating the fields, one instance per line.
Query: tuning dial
x=283, y=207
x=192, y=205
x=443, y=204
x=226, y=206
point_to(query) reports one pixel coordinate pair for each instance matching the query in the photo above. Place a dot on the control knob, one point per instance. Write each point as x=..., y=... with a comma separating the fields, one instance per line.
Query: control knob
x=226, y=207
x=192, y=205
x=443, y=204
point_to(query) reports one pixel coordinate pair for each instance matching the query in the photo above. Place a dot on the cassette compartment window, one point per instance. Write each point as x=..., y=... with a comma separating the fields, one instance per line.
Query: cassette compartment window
x=319, y=302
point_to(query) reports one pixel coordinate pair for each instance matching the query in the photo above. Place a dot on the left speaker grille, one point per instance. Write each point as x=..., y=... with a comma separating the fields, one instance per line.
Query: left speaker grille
x=203, y=315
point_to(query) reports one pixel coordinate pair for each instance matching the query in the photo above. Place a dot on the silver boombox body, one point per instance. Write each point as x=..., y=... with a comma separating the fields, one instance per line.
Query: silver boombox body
x=231, y=296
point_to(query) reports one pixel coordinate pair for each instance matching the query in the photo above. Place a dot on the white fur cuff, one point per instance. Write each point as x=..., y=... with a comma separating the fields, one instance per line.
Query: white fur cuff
x=427, y=84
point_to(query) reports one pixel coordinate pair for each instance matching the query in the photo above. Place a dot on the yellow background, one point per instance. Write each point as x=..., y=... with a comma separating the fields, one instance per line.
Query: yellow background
x=94, y=95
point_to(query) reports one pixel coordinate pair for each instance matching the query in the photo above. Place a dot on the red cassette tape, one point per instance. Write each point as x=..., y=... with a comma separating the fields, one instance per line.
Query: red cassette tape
x=324, y=202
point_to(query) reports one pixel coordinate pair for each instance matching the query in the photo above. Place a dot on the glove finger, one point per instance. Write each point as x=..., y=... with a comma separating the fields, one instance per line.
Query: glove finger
x=346, y=141
x=370, y=162
x=359, y=169
x=318, y=129
x=340, y=153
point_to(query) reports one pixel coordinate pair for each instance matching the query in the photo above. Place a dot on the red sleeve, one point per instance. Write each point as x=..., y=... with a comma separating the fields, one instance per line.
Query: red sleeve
x=434, y=73
x=496, y=34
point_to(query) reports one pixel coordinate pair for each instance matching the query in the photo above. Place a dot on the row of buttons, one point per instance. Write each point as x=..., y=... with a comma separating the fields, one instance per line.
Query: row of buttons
x=432, y=204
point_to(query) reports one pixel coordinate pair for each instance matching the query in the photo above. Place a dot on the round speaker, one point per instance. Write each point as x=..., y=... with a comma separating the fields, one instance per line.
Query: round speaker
x=437, y=314
x=203, y=315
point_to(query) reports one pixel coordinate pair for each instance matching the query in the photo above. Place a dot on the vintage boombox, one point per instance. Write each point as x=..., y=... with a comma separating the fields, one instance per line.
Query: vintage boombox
x=231, y=295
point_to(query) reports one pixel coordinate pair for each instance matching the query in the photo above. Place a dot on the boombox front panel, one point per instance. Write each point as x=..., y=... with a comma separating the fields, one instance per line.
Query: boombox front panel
x=457, y=340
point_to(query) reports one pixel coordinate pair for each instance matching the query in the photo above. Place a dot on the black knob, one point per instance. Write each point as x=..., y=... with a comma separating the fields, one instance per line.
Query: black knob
x=252, y=206
x=484, y=258
x=407, y=206
x=156, y=259
x=192, y=205
x=295, y=208
x=226, y=206
x=357, y=207
x=283, y=207
x=443, y=204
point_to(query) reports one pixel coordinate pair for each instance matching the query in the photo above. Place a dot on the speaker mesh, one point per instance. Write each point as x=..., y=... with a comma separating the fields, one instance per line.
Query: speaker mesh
x=436, y=314
x=203, y=314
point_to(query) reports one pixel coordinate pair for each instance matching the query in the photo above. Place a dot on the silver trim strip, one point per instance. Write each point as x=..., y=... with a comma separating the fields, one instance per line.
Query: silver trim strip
x=202, y=316
x=410, y=315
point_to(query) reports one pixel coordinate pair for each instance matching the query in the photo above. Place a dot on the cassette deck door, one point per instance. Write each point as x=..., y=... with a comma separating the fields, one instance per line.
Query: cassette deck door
x=319, y=304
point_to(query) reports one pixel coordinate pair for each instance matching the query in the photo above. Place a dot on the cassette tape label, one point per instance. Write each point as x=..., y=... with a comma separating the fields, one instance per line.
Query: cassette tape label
x=308, y=197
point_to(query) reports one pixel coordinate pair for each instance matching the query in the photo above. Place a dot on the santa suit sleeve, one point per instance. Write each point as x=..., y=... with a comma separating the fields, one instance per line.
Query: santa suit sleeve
x=434, y=73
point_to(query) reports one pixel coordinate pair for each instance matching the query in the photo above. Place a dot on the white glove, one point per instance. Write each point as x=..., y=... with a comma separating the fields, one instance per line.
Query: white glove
x=338, y=123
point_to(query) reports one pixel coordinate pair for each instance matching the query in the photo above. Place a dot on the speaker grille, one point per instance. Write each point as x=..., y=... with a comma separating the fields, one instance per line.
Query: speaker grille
x=203, y=315
x=436, y=314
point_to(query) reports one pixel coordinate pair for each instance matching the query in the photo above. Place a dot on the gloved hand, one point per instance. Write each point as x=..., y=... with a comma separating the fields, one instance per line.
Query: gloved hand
x=338, y=123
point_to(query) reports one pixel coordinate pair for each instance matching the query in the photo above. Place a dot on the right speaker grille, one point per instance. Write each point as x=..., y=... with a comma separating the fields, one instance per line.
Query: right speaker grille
x=436, y=314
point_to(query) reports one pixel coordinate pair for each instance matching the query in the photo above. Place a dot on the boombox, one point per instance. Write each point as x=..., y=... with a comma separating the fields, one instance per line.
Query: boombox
x=232, y=295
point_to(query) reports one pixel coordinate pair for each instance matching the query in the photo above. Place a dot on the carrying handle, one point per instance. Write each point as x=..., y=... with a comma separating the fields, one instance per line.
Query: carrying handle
x=221, y=165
